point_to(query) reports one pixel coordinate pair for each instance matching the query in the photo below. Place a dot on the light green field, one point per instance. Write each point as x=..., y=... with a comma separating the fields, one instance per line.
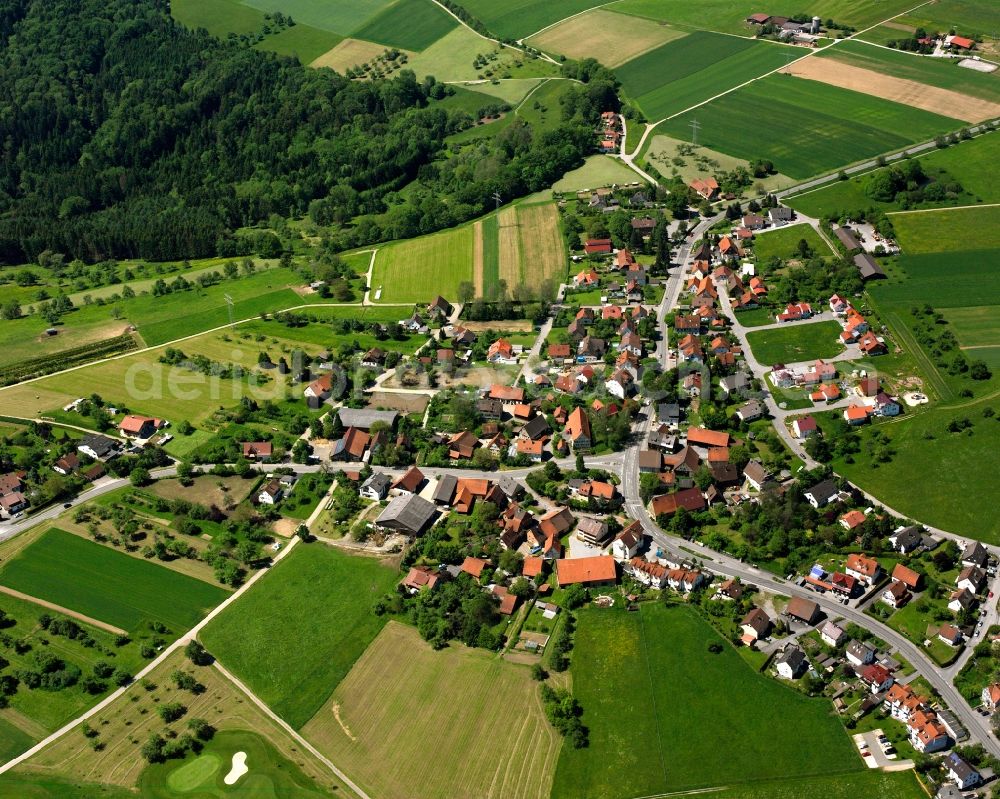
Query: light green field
x=598, y=171
x=317, y=598
x=977, y=328
x=418, y=269
x=804, y=127
x=892, y=785
x=107, y=585
x=410, y=24
x=639, y=744
x=663, y=152
x=451, y=58
x=517, y=19
x=490, y=739
x=542, y=108
x=728, y=16
x=784, y=242
x=969, y=162
x=944, y=231
x=302, y=41
x=218, y=17
x=969, y=17
x=510, y=91
x=796, y=342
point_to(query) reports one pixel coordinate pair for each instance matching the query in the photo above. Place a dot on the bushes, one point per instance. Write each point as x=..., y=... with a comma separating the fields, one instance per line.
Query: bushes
x=563, y=713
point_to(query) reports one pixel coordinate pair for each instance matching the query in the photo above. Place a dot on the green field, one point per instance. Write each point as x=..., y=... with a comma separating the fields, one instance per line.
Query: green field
x=107, y=585
x=969, y=17
x=410, y=24
x=665, y=732
x=685, y=72
x=783, y=242
x=302, y=41
x=969, y=162
x=941, y=72
x=728, y=16
x=919, y=232
x=804, y=127
x=339, y=16
x=417, y=269
x=270, y=773
x=797, y=342
x=218, y=17
x=451, y=58
x=597, y=171
x=518, y=19
x=893, y=785
x=296, y=635
x=491, y=253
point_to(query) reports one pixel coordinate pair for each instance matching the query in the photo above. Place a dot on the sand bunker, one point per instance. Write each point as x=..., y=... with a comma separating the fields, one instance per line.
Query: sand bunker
x=238, y=770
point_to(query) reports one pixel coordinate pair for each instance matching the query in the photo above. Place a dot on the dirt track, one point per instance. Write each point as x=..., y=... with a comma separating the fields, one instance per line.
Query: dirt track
x=908, y=92
x=102, y=625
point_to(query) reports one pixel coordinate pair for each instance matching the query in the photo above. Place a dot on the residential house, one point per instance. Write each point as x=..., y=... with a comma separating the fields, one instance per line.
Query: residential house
x=960, y=772
x=627, y=542
x=501, y=351
x=975, y=554
x=270, y=493
x=869, y=344
x=971, y=578
x=804, y=610
x=804, y=426
x=791, y=664
x=577, y=430
x=508, y=395
x=586, y=278
x=668, y=413
x=351, y=446
x=374, y=358
x=831, y=634
x=690, y=499
x=734, y=385
x=650, y=461
x=597, y=247
x=852, y=519
x=927, y=734
x=757, y=476
x=755, y=625
x=856, y=414
x=592, y=531
x=591, y=347
x=66, y=465
x=895, y=594
x=376, y=487
x=991, y=696
x=647, y=572
x=260, y=451
x=409, y=483
x=557, y=522
x=822, y=494
x=859, y=653
x=907, y=576
x=907, y=540
x=687, y=323
x=876, y=676
x=462, y=446
x=98, y=447
x=729, y=591
x=706, y=188
x=886, y=405
x=415, y=324
x=320, y=389
x=780, y=215
x=950, y=634
x=559, y=352
x=134, y=426
x=750, y=411
x=419, y=578
x=961, y=600
x=862, y=568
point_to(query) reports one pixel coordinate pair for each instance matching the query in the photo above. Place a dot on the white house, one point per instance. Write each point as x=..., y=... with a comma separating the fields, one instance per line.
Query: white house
x=960, y=772
x=831, y=634
x=627, y=542
x=791, y=663
x=376, y=487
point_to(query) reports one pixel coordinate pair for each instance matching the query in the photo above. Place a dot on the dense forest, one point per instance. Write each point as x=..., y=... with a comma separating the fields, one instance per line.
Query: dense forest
x=126, y=135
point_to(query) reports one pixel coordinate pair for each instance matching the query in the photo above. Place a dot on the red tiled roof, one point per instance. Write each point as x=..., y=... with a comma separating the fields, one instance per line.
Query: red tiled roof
x=599, y=569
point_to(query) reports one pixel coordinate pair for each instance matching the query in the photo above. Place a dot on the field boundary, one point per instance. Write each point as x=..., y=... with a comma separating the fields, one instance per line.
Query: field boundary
x=945, y=208
x=101, y=625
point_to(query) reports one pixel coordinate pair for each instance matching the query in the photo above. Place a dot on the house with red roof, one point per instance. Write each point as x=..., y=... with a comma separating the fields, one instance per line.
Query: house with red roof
x=597, y=247
x=707, y=188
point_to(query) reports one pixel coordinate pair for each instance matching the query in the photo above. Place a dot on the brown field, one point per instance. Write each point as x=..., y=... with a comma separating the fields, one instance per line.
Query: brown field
x=617, y=37
x=509, y=221
x=477, y=257
x=394, y=724
x=207, y=490
x=504, y=326
x=542, y=250
x=349, y=53
x=126, y=724
x=908, y=92
x=404, y=403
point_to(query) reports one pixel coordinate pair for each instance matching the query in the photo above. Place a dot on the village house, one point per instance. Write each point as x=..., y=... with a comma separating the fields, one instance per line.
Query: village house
x=376, y=487
x=270, y=493
x=859, y=654
x=831, y=634
x=648, y=573
x=950, y=634
x=706, y=188
x=407, y=514
x=98, y=447
x=961, y=600
x=134, y=426
x=418, y=578
x=862, y=568
x=791, y=664
x=822, y=494
x=628, y=542
x=895, y=594
x=960, y=772
x=66, y=465
x=991, y=696
x=755, y=625
x=804, y=426
x=804, y=610
x=971, y=578
x=593, y=571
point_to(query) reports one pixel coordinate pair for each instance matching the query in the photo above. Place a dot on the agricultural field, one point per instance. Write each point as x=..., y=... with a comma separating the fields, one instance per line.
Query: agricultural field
x=683, y=73
x=806, y=128
x=968, y=162
x=107, y=585
x=522, y=246
x=620, y=37
x=885, y=785
x=518, y=19
x=969, y=17
x=727, y=16
x=907, y=92
x=946, y=231
x=338, y=16
x=797, y=342
x=511, y=91
x=116, y=769
x=348, y=53
x=494, y=742
x=408, y=24
x=673, y=157
x=783, y=243
x=218, y=17
x=452, y=57
x=540, y=107
x=318, y=598
x=640, y=743
x=937, y=72
x=598, y=171
x=301, y=41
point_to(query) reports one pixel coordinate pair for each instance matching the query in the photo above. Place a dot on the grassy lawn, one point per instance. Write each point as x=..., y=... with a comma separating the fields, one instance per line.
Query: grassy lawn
x=684, y=72
x=804, y=127
x=410, y=24
x=756, y=316
x=783, y=242
x=107, y=585
x=597, y=171
x=968, y=162
x=797, y=342
x=321, y=600
x=490, y=738
x=309, y=490
x=417, y=269
x=68, y=765
x=945, y=231
x=639, y=743
x=896, y=785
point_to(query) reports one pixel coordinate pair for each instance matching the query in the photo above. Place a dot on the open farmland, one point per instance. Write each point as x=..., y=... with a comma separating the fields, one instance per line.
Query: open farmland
x=969, y=162
x=804, y=127
x=942, y=73
x=410, y=24
x=348, y=53
x=895, y=89
x=302, y=41
x=948, y=230
x=796, y=342
x=688, y=71
x=885, y=785
x=783, y=242
x=129, y=721
x=338, y=16
x=218, y=17
x=107, y=585
x=968, y=17
x=452, y=57
x=321, y=600
x=516, y=19
x=640, y=743
x=674, y=157
x=524, y=245
x=729, y=16
x=597, y=171
x=619, y=37
x=493, y=743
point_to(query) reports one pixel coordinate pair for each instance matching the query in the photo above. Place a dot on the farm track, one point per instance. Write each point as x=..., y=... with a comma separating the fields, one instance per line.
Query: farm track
x=101, y=625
